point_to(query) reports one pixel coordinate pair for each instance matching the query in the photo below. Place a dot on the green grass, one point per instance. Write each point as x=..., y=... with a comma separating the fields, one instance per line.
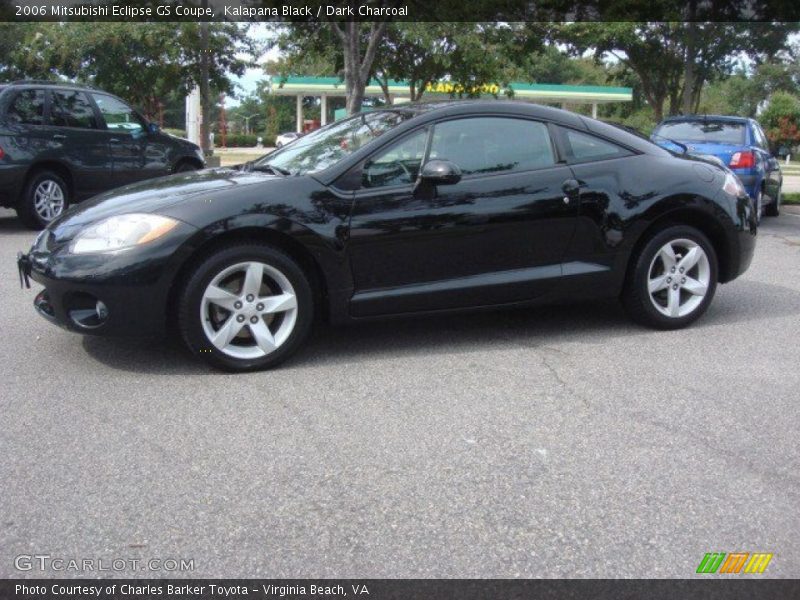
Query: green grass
x=791, y=198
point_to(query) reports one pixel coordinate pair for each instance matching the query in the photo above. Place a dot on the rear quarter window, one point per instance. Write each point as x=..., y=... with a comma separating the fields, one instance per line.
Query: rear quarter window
x=27, y=108
x=584, y=147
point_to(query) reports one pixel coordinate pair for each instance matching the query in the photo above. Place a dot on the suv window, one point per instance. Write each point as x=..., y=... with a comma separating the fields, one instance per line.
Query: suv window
x=582, y=147
x=398, y=165
x=118, y=116
x=484, y=145
x=27, y=108
x=71, y=108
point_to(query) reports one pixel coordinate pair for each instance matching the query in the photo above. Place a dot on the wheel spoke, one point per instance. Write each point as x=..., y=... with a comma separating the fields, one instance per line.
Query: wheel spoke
x=252, y=279
x=693, y=286
x=226, y=333
x=262, y=335
x=280, y=303
x=667, y=255
x=673, y=301
x=221, y=297
x=658, y=283
x=691, y=258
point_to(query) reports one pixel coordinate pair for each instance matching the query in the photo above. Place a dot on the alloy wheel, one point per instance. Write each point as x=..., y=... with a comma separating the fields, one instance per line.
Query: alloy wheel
x=679, y=278
x=48, y=200
x=248, y=310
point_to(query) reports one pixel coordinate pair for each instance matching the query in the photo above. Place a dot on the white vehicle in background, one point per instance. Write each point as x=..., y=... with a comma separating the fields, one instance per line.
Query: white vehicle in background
x=286, y=138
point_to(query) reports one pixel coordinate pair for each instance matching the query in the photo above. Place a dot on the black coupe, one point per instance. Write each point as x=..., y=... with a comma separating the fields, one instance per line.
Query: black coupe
x=413, y=209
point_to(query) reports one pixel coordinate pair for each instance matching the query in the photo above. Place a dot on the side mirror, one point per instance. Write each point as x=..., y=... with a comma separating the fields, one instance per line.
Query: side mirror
x=440, y=172
x=153, y=128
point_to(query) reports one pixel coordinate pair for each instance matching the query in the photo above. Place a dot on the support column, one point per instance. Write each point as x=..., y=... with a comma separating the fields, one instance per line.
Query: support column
x=299, y=124
x=594, y=110
x=323, y=107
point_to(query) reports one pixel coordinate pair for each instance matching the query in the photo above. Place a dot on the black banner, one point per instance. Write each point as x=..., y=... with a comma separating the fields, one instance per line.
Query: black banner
x=399, y=10
x=406, y=589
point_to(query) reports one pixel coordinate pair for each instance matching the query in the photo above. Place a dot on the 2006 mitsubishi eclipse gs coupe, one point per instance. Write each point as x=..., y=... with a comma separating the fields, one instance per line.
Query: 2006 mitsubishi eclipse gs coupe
x=411, y=209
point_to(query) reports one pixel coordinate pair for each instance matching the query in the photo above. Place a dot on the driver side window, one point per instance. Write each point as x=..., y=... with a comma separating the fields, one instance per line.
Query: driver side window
x=397, y=165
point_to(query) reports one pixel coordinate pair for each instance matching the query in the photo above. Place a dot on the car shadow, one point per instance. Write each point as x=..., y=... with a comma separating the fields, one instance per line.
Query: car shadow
x=595, y=322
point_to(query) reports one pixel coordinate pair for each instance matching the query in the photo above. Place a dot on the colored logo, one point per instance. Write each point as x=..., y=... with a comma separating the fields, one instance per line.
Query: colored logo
x=734, y=562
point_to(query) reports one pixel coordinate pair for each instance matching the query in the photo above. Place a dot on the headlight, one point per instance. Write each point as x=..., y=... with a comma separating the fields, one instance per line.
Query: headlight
x=733, y=186
x=123, y=231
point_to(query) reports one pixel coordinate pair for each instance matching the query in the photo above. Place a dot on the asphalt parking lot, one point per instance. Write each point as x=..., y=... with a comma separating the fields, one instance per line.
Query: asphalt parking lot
x=555, y=442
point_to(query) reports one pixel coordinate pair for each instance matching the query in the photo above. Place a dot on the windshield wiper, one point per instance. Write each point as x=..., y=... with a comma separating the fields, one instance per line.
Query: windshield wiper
x=267, y=168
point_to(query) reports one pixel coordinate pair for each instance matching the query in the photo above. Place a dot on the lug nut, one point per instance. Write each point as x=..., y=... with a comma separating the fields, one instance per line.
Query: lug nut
x=237, y=305
x=683, y=280
x=669, y=279
x=254, y=320
x=681, y=269
x=672, y=269
x=259, y=306
x=250, y=297
x=675, y=287
x=240, y=318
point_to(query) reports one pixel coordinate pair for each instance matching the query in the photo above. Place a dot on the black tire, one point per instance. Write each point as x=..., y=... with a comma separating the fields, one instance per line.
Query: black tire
x=758, y=206
x=27, y=210
x=185, y=166
x=774, y=208
x=636, y=296
x=191, y=299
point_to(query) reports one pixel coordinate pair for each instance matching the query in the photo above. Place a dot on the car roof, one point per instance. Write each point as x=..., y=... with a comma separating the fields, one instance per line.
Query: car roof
x=729, y=118
x=27, y=83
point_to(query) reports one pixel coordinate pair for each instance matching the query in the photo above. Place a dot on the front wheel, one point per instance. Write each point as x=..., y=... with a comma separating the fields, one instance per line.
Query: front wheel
x=246, y=307
x=673, y=279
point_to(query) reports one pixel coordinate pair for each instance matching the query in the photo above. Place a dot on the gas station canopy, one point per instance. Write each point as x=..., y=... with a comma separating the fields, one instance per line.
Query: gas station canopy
x=399, y=91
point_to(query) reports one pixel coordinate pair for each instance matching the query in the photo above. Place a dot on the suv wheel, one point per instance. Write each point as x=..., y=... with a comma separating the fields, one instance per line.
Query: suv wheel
x=46, y=197
x=673, y=280
x=246, y=307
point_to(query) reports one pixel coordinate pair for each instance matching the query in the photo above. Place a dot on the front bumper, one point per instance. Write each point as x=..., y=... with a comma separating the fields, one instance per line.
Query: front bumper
x=119, y=294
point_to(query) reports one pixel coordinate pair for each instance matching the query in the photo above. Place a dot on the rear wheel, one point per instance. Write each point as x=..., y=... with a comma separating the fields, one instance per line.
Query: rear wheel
x=774, y=207
x=246, y=307
x=46, y=197
x=673, y=279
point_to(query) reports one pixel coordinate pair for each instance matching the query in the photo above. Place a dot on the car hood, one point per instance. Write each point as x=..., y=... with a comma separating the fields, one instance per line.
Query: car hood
x=156, y=195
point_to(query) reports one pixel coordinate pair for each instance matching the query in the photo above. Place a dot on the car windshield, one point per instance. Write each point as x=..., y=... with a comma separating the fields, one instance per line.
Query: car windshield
x=718, y=132
x=324, y=147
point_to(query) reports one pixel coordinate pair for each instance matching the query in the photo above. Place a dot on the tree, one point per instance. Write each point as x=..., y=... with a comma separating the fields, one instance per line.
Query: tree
x=161, y=60
x=781, y=119
x=673, y=60
x=358, y=57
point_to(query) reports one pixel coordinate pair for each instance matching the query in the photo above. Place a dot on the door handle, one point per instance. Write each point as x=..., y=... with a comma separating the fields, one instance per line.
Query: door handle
x=114, y=140
x=58, y=137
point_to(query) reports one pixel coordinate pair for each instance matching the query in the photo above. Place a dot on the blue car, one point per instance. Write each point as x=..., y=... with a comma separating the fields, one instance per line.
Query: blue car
x=739, y=143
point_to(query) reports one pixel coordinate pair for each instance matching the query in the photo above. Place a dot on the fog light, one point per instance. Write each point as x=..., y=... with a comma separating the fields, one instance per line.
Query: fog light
x=86, y=311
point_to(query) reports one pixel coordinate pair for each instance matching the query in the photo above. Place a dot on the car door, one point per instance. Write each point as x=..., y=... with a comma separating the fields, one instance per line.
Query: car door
x=135, y=155
x=78, y=141
x=496, y=236
x=772, y=169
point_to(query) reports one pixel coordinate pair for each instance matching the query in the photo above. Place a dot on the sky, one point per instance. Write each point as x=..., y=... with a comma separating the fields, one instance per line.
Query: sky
x=247, y=83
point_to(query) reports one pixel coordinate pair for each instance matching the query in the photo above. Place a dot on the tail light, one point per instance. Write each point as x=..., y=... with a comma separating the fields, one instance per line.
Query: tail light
x=2, y=153
x=742, y=160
